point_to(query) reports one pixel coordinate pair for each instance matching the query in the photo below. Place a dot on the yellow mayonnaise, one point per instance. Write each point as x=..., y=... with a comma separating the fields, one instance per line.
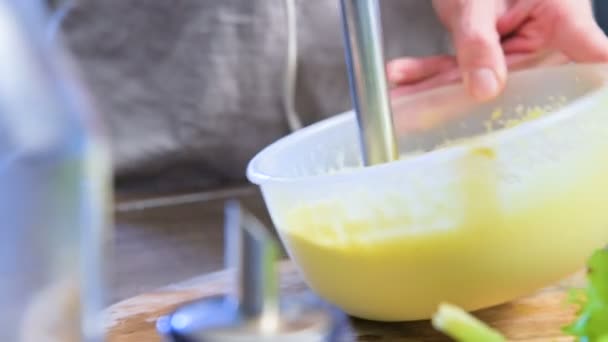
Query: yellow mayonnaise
x=498, y=244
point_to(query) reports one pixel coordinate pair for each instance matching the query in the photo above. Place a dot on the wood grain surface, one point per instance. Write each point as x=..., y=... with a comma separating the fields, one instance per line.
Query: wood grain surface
x=538, y=317
x=161, y=240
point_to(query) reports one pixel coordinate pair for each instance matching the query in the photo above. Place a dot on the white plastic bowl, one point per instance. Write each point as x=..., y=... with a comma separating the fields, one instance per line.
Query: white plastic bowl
x=476, y=223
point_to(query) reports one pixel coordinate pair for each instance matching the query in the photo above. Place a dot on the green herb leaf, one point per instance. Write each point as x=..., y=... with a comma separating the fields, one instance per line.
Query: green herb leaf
x=592, y=318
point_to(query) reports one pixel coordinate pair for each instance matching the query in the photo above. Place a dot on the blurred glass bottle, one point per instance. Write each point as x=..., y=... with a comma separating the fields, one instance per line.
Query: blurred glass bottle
x=54, y=188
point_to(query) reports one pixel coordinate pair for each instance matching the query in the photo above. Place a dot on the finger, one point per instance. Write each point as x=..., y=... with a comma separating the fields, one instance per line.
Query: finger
x=408, y=70
x=515, y=17
x=522, y=44
x=515, y=61
x=446, y=77
x=479, y=53
x=583, y=41
x=453, y=75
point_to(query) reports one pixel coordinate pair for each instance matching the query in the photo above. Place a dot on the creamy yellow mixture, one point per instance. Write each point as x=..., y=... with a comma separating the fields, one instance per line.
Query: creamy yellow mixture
x=494, y=248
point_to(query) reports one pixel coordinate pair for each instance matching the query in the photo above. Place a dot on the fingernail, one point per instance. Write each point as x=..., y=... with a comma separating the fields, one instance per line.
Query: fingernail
x=483, y=83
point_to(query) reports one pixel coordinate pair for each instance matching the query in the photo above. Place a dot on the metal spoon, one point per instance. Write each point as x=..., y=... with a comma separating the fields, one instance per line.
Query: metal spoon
x=368, y=86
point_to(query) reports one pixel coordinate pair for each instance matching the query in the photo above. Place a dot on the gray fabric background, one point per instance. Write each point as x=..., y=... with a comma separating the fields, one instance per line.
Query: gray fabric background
x=190, y=89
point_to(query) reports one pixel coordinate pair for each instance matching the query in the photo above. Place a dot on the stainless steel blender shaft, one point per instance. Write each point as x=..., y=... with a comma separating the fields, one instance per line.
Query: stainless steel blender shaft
x=368, y=86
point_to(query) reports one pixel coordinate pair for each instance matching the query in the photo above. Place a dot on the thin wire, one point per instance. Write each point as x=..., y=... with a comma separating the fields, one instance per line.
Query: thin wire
x=291, y=68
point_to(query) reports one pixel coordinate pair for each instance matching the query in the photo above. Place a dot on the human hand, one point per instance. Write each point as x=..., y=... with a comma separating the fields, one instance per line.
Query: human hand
x=491, y=37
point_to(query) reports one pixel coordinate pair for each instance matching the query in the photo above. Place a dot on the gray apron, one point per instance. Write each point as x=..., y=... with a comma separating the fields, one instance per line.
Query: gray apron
x=191, y=89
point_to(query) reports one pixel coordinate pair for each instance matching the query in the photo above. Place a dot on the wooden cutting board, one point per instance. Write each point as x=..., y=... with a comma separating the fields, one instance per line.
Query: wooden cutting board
x=538, y=317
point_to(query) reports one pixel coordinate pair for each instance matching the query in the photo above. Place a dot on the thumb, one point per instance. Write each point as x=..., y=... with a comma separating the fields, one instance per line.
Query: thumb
x=477, y=42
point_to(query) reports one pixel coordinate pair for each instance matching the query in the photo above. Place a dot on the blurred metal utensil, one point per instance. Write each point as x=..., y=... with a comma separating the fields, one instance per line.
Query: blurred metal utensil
x=251, y=311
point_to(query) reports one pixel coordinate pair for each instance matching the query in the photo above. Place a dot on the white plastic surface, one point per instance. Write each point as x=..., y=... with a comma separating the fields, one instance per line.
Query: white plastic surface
x=545, y=158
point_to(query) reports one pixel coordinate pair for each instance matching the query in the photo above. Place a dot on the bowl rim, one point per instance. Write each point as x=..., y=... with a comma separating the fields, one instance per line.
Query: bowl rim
x=442, y=155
